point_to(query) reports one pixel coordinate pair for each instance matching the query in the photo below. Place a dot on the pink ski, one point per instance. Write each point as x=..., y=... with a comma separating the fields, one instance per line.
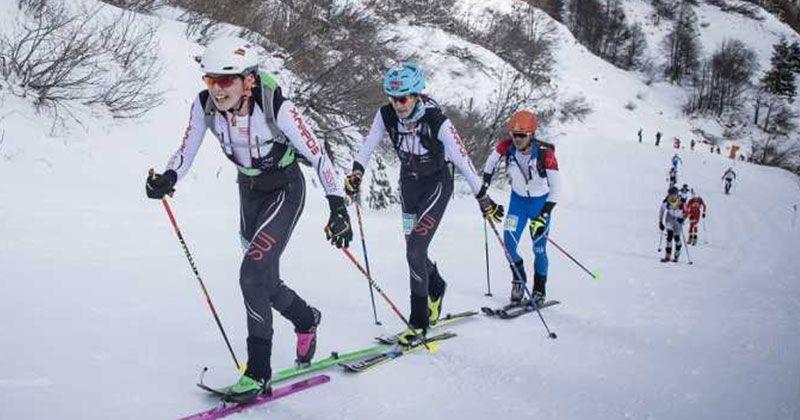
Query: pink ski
x=228, y=409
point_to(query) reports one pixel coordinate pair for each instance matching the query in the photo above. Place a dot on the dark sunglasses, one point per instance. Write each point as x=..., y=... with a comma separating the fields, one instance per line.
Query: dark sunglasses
x=223, y=81
x=401, y=99
x=520, y=135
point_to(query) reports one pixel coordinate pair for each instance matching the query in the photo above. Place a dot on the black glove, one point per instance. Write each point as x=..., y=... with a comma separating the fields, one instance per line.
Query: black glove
x=538, y=226
x=660, y=225
x=338, y=229
x=352, y=182
x=680, y=220
x=704, y=215
x=492, y=211
x=159, y=185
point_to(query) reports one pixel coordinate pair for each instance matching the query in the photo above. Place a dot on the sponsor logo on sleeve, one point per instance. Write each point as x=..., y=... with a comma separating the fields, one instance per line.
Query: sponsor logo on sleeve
x=309, y=139
x=462, y=148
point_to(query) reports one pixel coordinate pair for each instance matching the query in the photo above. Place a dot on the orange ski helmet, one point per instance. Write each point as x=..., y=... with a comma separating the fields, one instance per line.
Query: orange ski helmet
x=523, y=122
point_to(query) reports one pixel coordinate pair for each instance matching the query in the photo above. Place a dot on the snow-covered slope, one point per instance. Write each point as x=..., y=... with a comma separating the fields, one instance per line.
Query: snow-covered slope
x=102, y=317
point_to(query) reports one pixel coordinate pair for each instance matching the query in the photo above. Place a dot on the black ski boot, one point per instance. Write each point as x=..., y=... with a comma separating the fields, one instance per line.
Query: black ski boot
x=419, y=320
x=539, y=288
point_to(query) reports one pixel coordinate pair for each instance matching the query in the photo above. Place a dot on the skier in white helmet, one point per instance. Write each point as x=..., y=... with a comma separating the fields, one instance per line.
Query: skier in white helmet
x=260, y=131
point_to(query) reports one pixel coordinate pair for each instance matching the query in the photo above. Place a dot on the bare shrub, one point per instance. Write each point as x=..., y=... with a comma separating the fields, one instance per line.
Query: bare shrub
x=62, y=57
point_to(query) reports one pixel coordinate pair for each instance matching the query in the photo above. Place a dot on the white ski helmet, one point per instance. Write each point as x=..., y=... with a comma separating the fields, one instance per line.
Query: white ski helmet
x=229, y=55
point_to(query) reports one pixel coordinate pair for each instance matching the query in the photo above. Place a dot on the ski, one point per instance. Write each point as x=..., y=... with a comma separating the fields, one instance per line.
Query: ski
x=391, y=354
x=225, y=409
x=293, y=372
x=514, y=310
x=446, y=320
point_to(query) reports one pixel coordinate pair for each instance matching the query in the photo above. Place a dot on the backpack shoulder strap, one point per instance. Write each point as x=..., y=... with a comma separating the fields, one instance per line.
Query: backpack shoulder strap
x=266, y=94
x=209, y=109
x=389, y=117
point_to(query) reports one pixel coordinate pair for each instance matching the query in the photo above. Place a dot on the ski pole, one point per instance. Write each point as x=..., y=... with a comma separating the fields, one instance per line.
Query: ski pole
x=595, y=275
x=197, y=274
x=372, y=282
x=660, y=239
x=366, y=258
x=688, y=257
x=486, y=252
x=550, y=334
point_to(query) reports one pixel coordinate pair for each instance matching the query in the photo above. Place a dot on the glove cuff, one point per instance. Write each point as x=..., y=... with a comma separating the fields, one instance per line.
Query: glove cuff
x=171, y=176
x=335, y=203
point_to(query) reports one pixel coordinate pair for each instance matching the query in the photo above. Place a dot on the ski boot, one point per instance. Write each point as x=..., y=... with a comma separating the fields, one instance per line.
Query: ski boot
x=677, y=254
x=436, y=288
x=307, y=340
x=245, y=390
x=411, y=337
x=667, y=256
x=518, y=283
x=539, y=282
x=419, y=321
x=538, y=298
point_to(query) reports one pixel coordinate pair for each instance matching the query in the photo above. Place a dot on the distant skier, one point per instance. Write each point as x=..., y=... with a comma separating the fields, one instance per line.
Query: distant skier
x=691, y=144
x=676, y=162
x=640, y=135
x=676, y=142
x=696, y=208
x=685, y=192
x=670, y=217
x=729, y=176
x=672, y=178
x=243, y=107
x=658, y=138
x=425, y=140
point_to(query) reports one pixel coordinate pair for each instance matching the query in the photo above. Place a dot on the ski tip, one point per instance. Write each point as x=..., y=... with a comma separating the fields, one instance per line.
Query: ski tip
x=433, y=347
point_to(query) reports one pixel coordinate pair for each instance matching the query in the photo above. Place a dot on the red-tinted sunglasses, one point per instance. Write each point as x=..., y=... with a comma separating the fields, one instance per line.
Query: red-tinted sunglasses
x=223, y=80
x=401, y=99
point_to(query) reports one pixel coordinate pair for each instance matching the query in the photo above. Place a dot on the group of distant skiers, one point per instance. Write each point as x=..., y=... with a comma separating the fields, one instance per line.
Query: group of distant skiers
x=676, y=143
x=261, y=132
x=681, y=204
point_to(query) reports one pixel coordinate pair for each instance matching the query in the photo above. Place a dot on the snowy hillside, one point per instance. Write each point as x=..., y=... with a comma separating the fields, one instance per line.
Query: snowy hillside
x=102, y=317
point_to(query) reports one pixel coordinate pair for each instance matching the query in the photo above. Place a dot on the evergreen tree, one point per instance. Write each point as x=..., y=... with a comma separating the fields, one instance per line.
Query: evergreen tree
x=779, y=80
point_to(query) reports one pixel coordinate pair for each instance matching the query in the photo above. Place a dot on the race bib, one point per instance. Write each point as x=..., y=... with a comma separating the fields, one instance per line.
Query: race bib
x=511, y=223
x=409, y=221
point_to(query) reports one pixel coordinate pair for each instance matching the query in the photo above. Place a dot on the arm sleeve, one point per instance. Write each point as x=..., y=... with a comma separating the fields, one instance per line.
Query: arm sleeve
x=457, y=153
x=291, y=122
x=661, y=212
x=553, y=175
x=375, y=136
x=182, y=159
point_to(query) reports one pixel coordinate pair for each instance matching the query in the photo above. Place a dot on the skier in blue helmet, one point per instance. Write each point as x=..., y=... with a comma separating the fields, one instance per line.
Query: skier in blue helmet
x=425, y=140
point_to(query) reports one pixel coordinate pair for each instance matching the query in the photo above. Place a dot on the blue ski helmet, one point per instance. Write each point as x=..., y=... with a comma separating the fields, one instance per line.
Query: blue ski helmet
x=402, y=80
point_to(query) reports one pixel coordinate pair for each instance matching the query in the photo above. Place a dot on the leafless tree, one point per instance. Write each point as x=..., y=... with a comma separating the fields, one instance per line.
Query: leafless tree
x=61, y=57
x=723, y=79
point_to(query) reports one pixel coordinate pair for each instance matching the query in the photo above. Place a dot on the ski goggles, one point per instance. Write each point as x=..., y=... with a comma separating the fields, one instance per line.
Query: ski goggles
x=401, y=100
x=223, y=80
x=520, y=135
